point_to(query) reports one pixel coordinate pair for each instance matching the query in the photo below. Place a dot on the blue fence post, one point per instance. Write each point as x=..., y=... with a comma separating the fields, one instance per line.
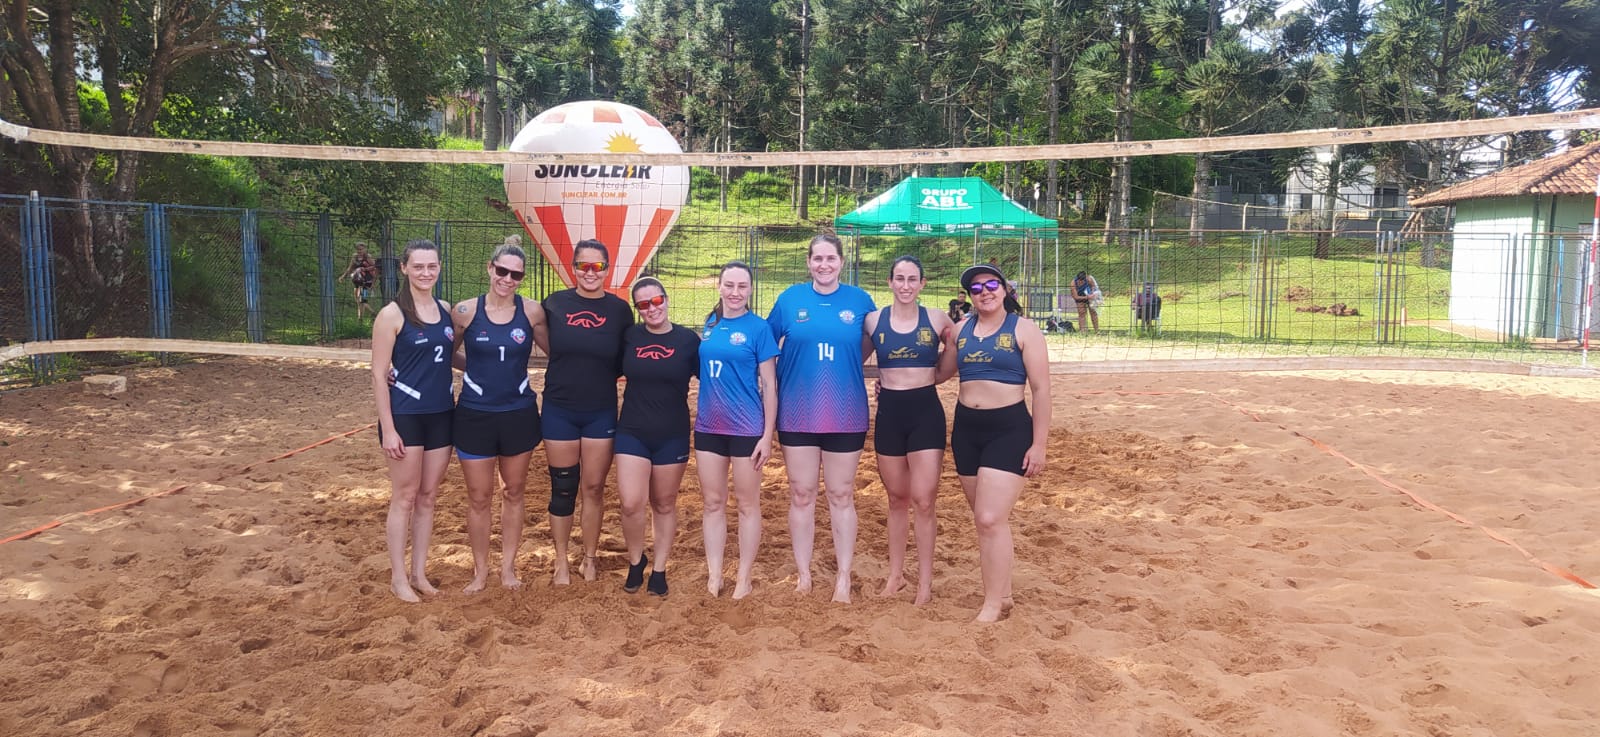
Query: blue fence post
x=254, y=330
x=159, y=256
x=325, y=267
x=387, y=275
x=39, y=279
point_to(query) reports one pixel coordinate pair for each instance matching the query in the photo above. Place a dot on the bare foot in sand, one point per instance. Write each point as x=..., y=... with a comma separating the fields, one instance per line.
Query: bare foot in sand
x=508, y=579
x=803, y=583
x=841, y=590
x=480, y=581
x=714, y=586
x=989, y=614
x=924, y=594
x=562, y=575
x=402, y=589
x=742, y=589
x=892, y=586
x=589, y=570
x=423, y=586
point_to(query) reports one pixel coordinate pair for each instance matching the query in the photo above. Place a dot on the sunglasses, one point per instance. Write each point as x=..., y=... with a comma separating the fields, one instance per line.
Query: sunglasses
x=591, y=267
x=645, y=304
x=504, y=272
x=979, y=287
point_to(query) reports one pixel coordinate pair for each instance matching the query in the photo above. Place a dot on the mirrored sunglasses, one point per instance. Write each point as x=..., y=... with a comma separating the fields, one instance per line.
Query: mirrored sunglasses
x=645, y=304
x=591, y=267
x=979, y=287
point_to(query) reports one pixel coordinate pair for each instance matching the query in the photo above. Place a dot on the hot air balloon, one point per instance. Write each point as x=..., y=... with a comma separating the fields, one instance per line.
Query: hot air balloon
x=628, y=207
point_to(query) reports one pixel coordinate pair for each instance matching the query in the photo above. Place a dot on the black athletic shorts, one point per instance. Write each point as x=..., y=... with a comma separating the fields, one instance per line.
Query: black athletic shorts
x=432, y=430
x=480, y=434
x=730, y=446
x=990, y=438
x=908, y=420
x=829, y=442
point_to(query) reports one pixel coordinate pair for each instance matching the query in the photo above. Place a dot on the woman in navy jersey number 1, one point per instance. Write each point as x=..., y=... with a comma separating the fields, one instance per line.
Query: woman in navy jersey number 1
x=658, y=359
x=734, y=421
x=910, y=425
x=580, y=401
x=822, y=403
x=412, y=345
x=497, y=415
x=996, y=444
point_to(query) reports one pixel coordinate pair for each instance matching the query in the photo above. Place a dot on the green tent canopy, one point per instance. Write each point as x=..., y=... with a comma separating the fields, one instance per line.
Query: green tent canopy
x=941, y=206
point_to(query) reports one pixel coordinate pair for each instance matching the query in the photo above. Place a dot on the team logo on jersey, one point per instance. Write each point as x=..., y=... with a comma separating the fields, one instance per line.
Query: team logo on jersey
x=518, y=336
x=847, y=317
x=903, y=353
x=925, y=336
x=802, y=315
x=449, y=333
x=1006, y=343
x=483, y=337
x=977, y=357
x=738, y=338
x=654, y=352
x=585, y=319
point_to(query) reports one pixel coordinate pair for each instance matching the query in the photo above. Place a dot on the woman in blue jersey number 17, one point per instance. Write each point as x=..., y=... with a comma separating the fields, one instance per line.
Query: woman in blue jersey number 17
x=909, y=430
x=822, y=403
x=586, y=324
x=497, y=414
x=733, y=424
x=413, y=343
x=658, y=359
x=996, y=444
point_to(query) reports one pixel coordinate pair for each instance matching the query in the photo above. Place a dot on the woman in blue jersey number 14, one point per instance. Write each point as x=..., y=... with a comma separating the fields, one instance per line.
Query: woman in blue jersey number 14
x=996, y=445
x=909, y=430
x=733, y=425
x=822, y=404
x=497, y=415
x=413, y=344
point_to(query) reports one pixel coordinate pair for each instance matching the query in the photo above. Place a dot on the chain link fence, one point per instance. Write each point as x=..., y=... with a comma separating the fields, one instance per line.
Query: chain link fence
x=102, y=269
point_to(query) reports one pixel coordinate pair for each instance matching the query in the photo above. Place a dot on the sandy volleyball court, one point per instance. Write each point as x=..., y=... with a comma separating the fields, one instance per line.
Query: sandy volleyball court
x=1191, y=563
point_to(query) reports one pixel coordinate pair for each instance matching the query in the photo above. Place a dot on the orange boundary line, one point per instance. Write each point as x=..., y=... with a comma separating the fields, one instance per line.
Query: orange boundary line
x=176, y=489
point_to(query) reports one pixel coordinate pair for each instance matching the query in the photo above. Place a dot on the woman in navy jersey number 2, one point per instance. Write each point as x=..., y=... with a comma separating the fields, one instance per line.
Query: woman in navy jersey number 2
x=580, y=401
x=909, y=430
x=734, y=421
x=996, y=445
x=497, y=415
x=822, y=403
x=658, y=359
x=413, y=343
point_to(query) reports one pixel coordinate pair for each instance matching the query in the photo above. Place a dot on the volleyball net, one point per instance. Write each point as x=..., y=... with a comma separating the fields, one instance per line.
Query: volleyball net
x=1329, y=270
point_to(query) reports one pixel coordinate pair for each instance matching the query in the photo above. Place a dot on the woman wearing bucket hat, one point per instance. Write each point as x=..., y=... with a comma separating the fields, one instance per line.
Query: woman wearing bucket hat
x=997, y=445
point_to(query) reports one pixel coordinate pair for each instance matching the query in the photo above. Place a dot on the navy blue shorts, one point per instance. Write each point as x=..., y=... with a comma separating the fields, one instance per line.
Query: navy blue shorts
x=661, y=451
x=432, y=430
x=990, y=438
x=730, y=446
x=565, y=424
x=829, y=442
x=480, y=434
x=908, y=420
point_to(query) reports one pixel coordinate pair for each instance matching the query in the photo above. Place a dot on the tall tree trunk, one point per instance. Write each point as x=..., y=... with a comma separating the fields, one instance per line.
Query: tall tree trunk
x=493, y=121
x=802, y=191
x=1118, y=213
x=1199, y=197
x=1053, y=105
x=1330, y=193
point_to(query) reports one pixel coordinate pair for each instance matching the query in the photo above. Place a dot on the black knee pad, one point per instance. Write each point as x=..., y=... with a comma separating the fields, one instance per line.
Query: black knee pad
x=563, y=490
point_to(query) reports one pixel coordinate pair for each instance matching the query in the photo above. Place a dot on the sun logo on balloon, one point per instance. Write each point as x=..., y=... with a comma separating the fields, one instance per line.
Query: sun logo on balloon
x=623, y=143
